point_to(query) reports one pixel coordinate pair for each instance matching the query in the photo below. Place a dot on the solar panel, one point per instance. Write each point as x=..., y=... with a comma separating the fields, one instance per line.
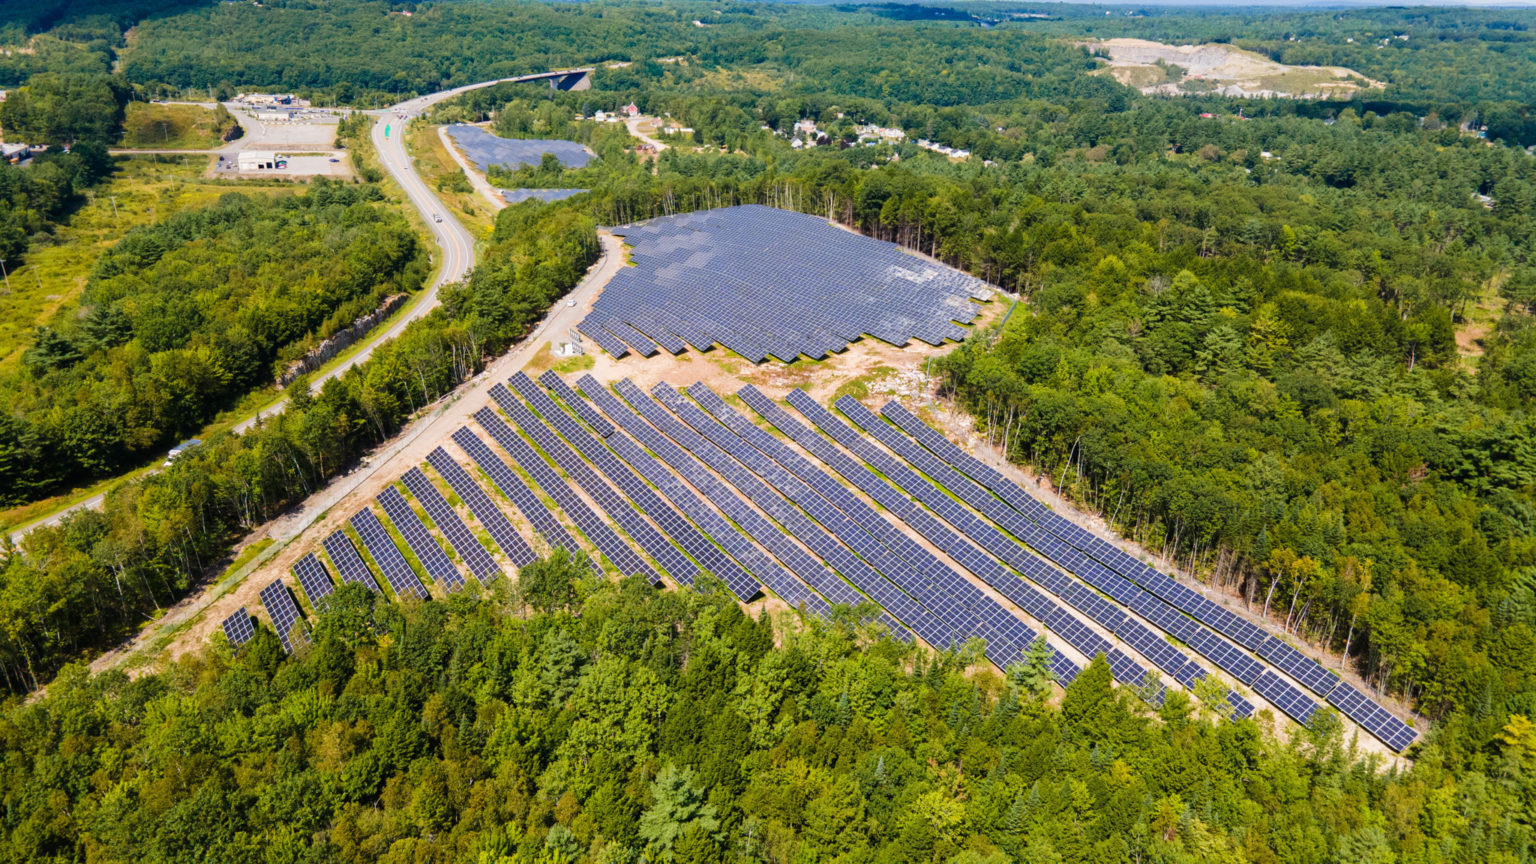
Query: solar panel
x=313, y=579
x=486, y=149
x=436, y=562
x=517, y=492
x=796, y=559
x=621, y=472
x=852, y=568
x=603, y=537
x=1372, y=717
x=485, y=511
x=959, y=617
x=349, y=564
x=287, y=620
x=967, y=555
x=239, y=628
x=1285, y=697
x=662, y=551
x=397, y=572
x=1069, y=556
x=479, y=561
x=716, y=276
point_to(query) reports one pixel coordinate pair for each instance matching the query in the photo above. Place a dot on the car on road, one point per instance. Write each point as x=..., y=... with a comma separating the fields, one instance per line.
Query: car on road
x=436, y=218
x=570, y=303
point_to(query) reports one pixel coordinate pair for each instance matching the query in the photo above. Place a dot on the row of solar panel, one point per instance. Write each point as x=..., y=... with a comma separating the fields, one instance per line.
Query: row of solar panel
x=315, y=581
x=942, y=606
x=1197, y=620
x=894, y=475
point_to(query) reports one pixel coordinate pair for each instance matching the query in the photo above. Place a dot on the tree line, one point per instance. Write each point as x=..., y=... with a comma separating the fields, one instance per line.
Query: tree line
x=570, y=719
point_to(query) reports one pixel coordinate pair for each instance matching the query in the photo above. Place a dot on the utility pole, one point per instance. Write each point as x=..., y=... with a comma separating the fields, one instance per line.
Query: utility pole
x=114, y=209
x=7, y=276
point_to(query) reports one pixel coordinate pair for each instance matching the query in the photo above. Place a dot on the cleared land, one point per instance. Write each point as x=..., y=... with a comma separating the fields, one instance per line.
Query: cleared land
x=176, y=126
x=1154, y=67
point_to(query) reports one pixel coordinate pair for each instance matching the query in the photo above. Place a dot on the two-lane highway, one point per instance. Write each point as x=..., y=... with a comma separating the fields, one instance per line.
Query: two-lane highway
x=455, y=244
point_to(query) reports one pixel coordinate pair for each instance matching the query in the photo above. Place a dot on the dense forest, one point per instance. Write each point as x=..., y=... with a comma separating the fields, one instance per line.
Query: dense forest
x=566, y=719
x=182, y=317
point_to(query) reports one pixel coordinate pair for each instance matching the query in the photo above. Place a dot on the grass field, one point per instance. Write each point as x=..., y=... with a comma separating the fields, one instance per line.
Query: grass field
x=444, y=176
x=151, y=125
x=143, y=190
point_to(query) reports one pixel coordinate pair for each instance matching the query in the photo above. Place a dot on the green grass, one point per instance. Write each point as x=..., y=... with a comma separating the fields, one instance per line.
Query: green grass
x=150, y=126
x=142, y=190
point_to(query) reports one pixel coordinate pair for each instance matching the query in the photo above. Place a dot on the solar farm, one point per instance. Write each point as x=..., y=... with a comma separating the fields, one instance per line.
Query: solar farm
x=764, y=282
x=811, y=505
x=485, y=149
x=518, y=196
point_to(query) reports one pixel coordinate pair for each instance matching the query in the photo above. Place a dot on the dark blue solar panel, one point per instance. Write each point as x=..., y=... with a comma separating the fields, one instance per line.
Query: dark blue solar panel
x=313, y=579
x=968, y=556
x=520, y=495
x=486, y=512
x=447, y=521
x=1072, y=541
x=960, y=618
x=287, y=620
x=1285, y=697
x=720, y=276
x=397, y=572
x=803, y=565
x=432, y=557
x=662, y=551
x=621, y=472
x=485, y=149
x=239, y=628
x=603, y=537
x=349, y=564
x=1372, y=717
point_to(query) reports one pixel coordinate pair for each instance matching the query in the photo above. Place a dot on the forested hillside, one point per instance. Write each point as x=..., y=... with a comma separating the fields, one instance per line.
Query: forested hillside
x=615, y=723
x=182, y=317
x=1287, y=345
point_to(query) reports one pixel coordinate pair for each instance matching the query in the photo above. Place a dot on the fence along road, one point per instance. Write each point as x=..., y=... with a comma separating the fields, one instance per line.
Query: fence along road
x=453, y=239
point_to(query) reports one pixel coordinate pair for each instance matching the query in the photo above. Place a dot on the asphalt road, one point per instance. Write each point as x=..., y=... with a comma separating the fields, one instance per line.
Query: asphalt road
x=456, y=245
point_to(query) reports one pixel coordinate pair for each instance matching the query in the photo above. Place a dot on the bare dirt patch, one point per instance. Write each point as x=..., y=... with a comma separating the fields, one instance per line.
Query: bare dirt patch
x=1154, y=67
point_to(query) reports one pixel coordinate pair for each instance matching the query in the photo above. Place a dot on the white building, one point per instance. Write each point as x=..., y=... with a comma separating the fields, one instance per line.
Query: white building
x=260, y=160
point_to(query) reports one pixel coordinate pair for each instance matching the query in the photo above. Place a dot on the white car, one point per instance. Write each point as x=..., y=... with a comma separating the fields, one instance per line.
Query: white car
x=436, y=218
x=570, y=303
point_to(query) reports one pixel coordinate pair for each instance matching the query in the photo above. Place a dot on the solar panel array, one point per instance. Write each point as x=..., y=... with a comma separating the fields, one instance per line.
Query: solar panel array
x=1196, y=616
x=432, y=557
x=824, y=586
x=899, y=481
x=698, y=487
x=485, y=149
x=239, y=628
x=348, y=563
x=313, y=579
x=287, y=620
x=518, y=196
x=479, y=561
x=397, y=571
x=518, y=493
x=607, y=541
x=766, y=282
